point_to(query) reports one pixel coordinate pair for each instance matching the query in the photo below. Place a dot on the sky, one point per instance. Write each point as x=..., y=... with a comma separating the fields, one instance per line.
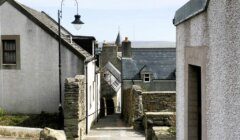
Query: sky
x=139, y=20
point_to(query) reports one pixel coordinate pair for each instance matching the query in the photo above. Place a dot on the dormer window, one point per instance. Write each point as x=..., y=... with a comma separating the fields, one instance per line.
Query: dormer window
x=146, y=78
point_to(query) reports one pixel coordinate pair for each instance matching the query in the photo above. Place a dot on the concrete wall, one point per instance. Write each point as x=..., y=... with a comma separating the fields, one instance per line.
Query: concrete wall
x=218, y=29
x=35, y=87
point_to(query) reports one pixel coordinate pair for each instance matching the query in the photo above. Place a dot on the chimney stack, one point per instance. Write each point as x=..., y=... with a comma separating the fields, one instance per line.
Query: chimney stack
x=126, y=48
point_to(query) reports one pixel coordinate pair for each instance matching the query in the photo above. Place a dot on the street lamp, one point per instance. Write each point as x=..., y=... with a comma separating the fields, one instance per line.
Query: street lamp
x=77, y=24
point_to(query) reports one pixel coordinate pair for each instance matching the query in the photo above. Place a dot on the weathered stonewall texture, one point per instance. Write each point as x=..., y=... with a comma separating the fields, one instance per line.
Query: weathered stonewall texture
x=74, y=108
x=159, y=101
x=132, y=108
x=50, y=134
x=162, y=133
x=158, y=119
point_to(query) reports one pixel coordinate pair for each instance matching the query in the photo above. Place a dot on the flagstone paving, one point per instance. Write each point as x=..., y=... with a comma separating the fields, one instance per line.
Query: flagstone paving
x=113, y=128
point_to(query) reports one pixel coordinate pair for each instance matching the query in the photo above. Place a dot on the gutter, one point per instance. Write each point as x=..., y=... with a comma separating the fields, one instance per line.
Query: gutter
x=86, y=86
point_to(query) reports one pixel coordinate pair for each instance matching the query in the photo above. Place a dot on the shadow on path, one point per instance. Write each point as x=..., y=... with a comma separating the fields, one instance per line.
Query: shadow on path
x=113, y=128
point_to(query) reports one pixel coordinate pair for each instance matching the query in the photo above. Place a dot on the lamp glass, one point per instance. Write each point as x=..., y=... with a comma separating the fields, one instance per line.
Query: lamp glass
x=77, y=26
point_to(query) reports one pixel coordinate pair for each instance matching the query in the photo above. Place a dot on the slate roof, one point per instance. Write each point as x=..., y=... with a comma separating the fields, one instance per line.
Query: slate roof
x=160, y=61
x=189, y=10
x=114, y=71
x=49, y=25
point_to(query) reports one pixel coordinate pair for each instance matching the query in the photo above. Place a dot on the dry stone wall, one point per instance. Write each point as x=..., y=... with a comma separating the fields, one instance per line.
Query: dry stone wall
x=132, y=104
x=75, y=108
x=157, y=101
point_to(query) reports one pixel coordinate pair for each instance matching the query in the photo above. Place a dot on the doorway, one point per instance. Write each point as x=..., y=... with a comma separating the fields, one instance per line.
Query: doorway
x=110, y=107
x=194, y=103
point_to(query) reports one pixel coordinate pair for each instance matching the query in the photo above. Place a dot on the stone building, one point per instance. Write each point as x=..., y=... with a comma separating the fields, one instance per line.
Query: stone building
x=29, y=57
x=151, y=68
x=208, y=33
x=110, y=68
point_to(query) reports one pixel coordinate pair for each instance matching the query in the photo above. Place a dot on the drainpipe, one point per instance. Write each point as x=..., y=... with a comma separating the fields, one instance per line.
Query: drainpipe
x=86, y=75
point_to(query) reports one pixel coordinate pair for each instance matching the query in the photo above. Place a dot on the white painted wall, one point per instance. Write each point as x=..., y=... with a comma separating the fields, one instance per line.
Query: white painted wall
x=217, y=28
x=35, y=87
x=119, y=101
x=93, y=82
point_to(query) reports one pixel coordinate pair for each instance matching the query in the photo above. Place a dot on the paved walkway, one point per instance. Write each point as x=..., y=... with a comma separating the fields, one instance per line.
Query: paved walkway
x=113, y=128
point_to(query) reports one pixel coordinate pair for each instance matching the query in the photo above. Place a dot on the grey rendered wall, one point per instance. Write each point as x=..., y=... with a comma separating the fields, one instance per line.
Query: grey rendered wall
x=218, y=28
x=155, y=85
x=33, y=88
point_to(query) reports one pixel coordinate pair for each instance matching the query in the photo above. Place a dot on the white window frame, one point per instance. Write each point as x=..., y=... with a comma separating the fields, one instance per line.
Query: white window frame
x=146, y=76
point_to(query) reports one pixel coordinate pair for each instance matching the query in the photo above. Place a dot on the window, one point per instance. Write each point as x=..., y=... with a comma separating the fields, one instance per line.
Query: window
x=146, y=78
x=10, y=52
x=93, y=90
x=115, y=83
x=90, y=93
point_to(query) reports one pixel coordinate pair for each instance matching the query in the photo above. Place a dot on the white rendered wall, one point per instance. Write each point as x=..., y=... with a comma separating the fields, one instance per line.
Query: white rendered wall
x=218, y=28
x=93, y=82
x=35, y=87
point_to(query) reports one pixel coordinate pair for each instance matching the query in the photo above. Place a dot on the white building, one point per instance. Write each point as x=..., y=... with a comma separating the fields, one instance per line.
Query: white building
x=208, y=70
x=29, y=71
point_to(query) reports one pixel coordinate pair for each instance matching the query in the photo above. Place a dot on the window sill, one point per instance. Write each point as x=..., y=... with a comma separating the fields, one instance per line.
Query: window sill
x=9, y=64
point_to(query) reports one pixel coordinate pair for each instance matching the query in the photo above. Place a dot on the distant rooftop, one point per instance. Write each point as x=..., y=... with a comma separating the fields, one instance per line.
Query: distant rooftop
x=149, y=44
x=153, y=44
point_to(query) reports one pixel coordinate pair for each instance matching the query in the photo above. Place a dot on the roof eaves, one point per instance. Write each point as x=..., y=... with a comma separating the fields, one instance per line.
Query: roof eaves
x=189, y=10
x=56, y=22
x=2, y=1
x=75, y=48
x=84, y=37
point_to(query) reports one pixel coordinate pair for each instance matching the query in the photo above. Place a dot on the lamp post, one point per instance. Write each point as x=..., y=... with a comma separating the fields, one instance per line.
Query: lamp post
x=77, y=24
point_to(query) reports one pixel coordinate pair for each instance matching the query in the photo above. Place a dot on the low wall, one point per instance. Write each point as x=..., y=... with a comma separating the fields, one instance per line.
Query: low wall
x=75, y=107
x=20, y=132
x=156, y=101
x=162, y=133
x=132, y=104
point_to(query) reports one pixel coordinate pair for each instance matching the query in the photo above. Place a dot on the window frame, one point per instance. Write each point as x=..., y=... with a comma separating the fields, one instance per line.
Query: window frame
x=9, y=51
x=149, y=77
x=16, y=38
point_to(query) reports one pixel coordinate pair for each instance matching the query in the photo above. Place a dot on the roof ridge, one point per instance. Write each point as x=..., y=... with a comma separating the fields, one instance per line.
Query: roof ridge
x=40, y=17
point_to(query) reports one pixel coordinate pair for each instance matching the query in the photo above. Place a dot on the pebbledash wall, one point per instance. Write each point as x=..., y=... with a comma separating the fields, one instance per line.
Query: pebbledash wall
x=211, y=40
x=34, y=87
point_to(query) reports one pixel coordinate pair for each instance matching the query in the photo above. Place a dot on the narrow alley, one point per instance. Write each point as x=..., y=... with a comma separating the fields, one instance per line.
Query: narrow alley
x=113, y=128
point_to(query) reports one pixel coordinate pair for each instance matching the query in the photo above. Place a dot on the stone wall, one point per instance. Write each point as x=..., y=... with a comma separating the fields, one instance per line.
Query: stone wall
x=136, y=102
x=75, y=107
x=157, y=101
x=132, y=104
x=109, y=54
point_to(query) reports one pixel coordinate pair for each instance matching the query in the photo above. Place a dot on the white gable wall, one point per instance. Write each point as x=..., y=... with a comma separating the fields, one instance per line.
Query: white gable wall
x=35, y=87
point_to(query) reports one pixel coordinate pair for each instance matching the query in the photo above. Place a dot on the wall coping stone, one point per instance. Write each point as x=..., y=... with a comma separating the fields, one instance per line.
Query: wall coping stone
x=159, y=113
x=158, y=92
